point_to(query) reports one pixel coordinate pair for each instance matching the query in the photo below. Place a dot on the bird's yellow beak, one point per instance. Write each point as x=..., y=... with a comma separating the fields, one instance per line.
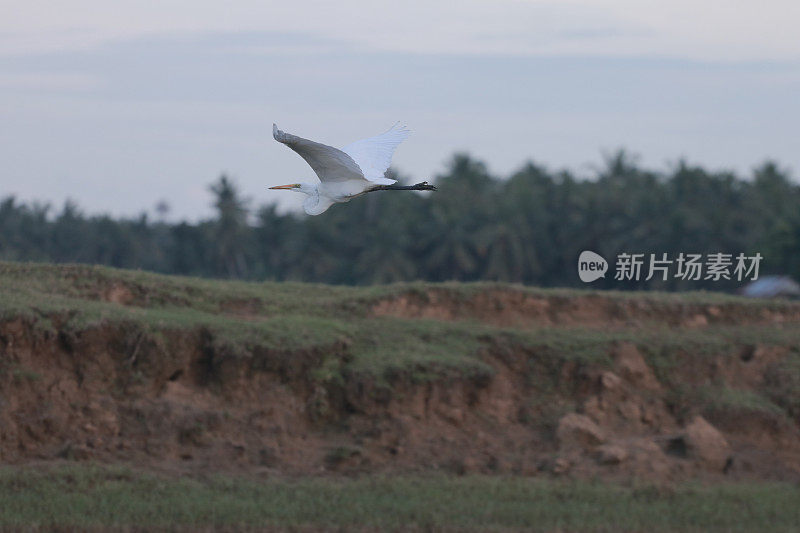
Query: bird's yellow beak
x=290, y=186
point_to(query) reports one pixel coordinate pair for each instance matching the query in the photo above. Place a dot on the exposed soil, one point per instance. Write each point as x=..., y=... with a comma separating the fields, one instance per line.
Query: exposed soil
x=176, y=400
x=512, y=307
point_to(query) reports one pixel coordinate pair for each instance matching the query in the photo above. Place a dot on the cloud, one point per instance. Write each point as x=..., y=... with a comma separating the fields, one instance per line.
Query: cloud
x=709, y=30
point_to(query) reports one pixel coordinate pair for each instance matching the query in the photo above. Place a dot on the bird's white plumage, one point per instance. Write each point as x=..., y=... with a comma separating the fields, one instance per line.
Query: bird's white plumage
x=329, y=163
x=374, y=155
x=316, y=204
x=344, y=174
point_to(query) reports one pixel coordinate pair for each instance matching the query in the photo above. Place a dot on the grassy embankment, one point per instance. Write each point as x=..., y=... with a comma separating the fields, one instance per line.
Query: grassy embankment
x=290, y=317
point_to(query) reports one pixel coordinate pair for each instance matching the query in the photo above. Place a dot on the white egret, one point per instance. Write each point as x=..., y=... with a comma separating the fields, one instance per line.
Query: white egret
x=356, y=169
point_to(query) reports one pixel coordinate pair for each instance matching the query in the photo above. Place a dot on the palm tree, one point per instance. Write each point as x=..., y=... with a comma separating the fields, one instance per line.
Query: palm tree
x=230, y=229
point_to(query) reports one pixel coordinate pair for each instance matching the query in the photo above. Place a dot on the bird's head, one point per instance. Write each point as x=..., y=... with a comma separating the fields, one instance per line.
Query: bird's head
x=305, y=188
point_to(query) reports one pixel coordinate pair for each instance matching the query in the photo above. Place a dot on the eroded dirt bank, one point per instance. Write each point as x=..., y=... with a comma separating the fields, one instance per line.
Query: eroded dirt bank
x=114, y=390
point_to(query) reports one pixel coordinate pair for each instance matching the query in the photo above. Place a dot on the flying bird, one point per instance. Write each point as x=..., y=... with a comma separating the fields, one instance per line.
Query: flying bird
x=344, y=174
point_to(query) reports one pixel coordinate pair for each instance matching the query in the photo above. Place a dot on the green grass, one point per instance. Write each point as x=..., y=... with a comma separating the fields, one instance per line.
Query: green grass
x=728, y=400
x=421, y=349
x=721, y=403
x=96, y=497
x=51, y=287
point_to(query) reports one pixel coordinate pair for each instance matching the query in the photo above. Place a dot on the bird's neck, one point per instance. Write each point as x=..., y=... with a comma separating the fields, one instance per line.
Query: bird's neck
x=311, y=189
x=316, y=204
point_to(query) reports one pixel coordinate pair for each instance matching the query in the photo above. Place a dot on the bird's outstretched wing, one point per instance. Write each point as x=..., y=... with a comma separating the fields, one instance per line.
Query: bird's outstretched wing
x=374, y=155
x=329, y=163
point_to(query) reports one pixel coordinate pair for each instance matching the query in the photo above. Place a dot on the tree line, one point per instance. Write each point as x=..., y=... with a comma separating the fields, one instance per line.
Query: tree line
x=528, y=227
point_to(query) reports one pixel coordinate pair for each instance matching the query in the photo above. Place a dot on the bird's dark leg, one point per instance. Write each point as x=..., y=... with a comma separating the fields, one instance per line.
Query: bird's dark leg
x=424, y=186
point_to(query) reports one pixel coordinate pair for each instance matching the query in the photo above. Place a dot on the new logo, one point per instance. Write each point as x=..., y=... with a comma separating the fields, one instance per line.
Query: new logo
x=591, y=266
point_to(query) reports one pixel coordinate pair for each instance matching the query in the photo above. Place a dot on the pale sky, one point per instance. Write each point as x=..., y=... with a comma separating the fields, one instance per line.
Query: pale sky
x=118, y=105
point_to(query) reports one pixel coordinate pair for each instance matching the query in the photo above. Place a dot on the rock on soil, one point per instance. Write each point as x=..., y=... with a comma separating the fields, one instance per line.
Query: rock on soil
x=706, y=444
x=578, y=431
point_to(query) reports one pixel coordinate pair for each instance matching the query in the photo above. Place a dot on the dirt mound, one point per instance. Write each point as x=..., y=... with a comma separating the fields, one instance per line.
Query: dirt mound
x=515, y=306
x=114, y=394
x=185, y=398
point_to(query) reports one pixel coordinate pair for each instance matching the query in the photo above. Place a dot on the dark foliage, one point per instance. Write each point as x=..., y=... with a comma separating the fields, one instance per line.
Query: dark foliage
x=527, y=228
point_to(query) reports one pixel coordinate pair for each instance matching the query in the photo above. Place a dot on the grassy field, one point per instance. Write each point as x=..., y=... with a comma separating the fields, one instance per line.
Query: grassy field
x=100, y=497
